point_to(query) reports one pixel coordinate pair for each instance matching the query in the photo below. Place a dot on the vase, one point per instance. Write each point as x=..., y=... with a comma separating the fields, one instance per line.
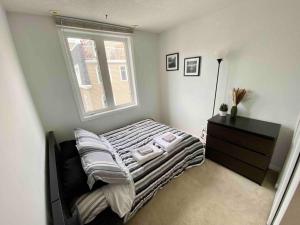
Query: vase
x=222, y=113
x=233, y=112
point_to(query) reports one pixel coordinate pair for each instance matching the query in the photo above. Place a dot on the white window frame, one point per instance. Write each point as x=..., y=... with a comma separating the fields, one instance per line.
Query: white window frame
x=78, y=76
x=121, y=78
x=111, y=107
x=98, y=75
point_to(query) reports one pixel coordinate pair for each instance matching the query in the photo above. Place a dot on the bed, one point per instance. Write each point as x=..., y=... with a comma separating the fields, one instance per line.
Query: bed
x=147, y=178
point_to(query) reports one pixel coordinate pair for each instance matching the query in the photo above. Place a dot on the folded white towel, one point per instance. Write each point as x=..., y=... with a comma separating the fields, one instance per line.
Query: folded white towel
x=145, y=150
x=141, y=159
x=165, y=145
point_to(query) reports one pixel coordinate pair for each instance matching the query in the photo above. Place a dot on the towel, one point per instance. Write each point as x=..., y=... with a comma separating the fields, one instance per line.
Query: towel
x=145, y=150
x=141, y=159
x=167, y=146
x=169, y=137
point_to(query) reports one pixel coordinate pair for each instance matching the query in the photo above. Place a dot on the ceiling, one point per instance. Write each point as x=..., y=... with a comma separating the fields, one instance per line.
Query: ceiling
x=150, y=15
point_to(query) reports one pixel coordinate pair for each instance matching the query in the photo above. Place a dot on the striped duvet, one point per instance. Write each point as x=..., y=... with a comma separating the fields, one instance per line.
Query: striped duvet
x=153, y=175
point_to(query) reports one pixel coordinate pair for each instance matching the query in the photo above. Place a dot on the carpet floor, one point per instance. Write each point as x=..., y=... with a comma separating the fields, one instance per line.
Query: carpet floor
x=209, y=195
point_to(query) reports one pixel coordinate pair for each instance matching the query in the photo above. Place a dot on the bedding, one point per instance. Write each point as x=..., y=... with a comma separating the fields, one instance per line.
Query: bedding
x=74, y=179
x=98, y=160
x=69, y=150
x=146, y=179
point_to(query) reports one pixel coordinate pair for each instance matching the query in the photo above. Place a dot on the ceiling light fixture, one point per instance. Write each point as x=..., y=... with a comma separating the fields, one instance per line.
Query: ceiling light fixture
x=54, y=12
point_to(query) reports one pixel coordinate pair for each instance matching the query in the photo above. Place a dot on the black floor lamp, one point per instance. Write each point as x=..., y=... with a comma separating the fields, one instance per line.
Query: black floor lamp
x=219, y=63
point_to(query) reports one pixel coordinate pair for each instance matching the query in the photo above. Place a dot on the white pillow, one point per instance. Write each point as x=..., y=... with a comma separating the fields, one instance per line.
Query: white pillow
x=97, y=160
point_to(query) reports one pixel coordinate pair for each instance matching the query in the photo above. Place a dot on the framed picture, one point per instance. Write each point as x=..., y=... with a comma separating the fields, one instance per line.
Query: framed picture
x=172, y=61
x=192, y=66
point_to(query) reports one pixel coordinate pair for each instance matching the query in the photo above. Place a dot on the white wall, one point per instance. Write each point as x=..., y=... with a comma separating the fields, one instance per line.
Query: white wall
x=22, y=142
x=262, y=41
x=261, y=38
x=41, y=57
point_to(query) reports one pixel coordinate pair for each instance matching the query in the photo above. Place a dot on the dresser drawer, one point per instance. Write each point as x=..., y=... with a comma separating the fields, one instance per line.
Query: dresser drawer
x=237, y=152
x=253, y=173
x=241, y=138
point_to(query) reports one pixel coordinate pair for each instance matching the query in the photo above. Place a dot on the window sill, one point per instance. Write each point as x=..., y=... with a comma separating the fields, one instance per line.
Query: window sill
x=106, y=113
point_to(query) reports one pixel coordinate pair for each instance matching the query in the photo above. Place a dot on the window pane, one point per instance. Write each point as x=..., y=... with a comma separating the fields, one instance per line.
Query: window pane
x=117, y=61
x=87, y=73
x=123, y=73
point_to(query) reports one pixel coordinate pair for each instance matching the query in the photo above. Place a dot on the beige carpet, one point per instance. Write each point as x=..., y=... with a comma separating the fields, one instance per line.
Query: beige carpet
x=209, y=195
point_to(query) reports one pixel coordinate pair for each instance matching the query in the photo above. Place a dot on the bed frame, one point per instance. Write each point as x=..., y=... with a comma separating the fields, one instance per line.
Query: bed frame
x=60, y=212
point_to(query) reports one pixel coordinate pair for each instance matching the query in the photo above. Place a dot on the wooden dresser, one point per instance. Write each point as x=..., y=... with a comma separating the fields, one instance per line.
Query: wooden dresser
x=243, y=145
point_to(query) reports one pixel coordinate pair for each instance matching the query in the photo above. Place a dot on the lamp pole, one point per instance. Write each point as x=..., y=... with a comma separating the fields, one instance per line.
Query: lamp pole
x=216, y=89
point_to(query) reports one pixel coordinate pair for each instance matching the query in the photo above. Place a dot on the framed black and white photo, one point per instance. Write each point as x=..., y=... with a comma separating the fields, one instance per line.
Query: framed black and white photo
x=172, y=61
x=192, y=66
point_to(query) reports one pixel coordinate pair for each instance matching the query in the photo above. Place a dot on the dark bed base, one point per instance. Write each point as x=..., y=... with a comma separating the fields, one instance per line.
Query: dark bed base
x=60, y=212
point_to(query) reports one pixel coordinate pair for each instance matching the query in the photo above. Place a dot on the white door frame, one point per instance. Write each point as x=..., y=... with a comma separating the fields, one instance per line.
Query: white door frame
x=289, y=180
x=295, y=180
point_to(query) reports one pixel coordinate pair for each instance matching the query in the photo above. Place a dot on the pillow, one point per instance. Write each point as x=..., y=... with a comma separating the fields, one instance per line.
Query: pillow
x=68, y=150
x=82, y=135
x=87, y=141
x=74, y=179
x=100, y=165
x=98, y=161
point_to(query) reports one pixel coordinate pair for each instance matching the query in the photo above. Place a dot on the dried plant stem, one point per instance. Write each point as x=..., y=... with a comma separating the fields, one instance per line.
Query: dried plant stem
x=238, y=95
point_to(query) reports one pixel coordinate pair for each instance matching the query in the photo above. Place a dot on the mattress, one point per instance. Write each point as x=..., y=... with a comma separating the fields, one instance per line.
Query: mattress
x=151, y=176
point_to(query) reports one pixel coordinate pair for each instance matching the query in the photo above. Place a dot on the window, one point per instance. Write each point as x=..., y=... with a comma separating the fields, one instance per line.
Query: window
x=98, y=75
x=123, y=73
x=82, y=84
x=77, y=72
x=101, y=71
